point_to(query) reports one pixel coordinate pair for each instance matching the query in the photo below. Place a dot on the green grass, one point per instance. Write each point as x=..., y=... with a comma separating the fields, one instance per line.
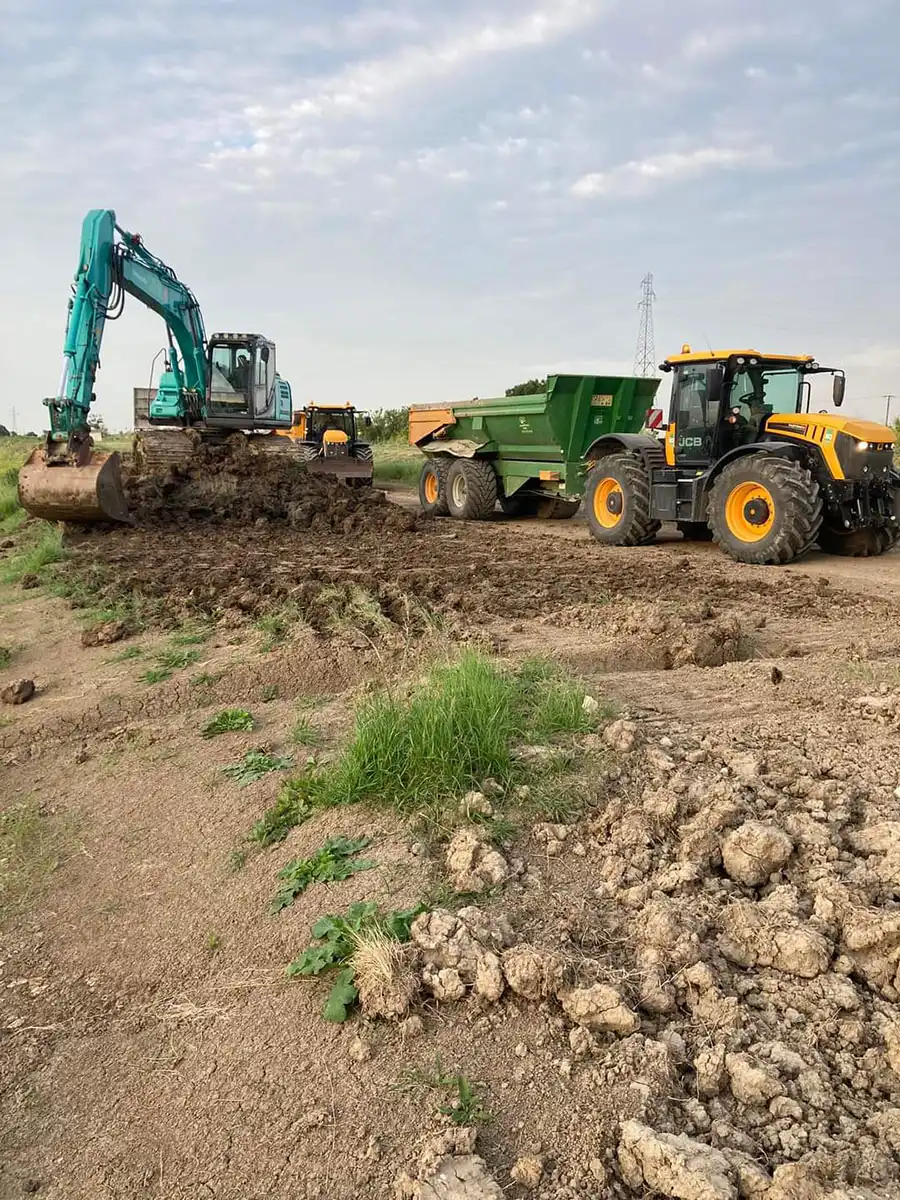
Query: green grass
x=6, y=656
x=303, y=733
x=255, y=765
x=167, y=663
x=229, y=720
x=40, y=546
x=463, y=1105
x=276, y=626
x=418, y=754
x=126, y=655
x=398, y=463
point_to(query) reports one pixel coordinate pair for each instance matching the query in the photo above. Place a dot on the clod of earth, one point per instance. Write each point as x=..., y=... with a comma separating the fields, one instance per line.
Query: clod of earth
x=674, y=1165
x=105, y=634
x=473, y=864
x=19, y=692
x=600, y=1009
x=461, y=952
x=754, y=851
x=449, y=1169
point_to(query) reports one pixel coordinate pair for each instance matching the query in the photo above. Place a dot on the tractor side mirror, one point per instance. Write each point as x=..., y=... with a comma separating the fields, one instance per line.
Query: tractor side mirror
x=367, y=421
x=837, y=390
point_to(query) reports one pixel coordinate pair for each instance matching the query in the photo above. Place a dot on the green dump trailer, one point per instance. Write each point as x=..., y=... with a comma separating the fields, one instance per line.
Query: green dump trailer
x=530, y=453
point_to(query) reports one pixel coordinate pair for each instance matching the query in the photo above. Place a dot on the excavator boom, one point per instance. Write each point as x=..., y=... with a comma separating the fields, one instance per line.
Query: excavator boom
x=66, y=480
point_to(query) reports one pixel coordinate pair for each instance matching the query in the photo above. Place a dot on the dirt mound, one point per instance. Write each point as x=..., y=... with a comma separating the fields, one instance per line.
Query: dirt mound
x=733, y=954
x=234, y=482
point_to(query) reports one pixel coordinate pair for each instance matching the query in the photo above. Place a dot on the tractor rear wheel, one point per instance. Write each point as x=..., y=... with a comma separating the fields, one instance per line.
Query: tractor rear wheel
x=433, y=487
x=765, y=510
x=471, y=489
x=856, y=543
x=617, y=499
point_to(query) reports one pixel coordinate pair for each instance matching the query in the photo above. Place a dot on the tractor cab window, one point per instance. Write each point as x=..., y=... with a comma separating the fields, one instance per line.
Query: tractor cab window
x=321, y=420
x=696, y=408
x=760, y=391
x=230, y=380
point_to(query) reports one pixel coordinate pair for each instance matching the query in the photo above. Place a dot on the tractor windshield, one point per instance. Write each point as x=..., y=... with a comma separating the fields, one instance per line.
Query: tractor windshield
x=760, y=391
x=320, y=420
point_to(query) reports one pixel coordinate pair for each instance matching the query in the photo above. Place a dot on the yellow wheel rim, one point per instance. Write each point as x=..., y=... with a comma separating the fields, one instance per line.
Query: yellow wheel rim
x=431, y=487
x=609, y=503
x=750, y=512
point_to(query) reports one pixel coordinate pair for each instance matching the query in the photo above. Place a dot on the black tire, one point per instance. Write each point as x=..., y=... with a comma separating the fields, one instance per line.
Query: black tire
x=306, y=451
x=518, y=505
x=554, y=509
x=433, y=487
x=617, y=502
x=364, y=453
x=471, y=489
x=752, y=530
x=695, y=531
x=857, y=543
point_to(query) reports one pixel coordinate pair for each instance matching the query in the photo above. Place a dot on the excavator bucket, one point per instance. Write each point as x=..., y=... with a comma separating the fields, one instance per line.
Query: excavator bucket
x=59, y=491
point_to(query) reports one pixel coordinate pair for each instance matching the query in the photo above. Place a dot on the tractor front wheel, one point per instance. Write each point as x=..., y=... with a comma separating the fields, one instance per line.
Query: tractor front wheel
x=471, y=489
x=618, y=504
x=765, y=510
x=433, y=487
x=856, y=543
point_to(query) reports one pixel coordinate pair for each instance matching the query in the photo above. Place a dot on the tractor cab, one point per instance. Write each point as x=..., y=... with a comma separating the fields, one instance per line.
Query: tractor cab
x=723, y=400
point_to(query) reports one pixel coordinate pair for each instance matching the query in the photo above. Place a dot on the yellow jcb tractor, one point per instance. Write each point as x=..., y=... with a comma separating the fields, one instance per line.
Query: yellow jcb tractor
x=747, y=465
x=326, y=437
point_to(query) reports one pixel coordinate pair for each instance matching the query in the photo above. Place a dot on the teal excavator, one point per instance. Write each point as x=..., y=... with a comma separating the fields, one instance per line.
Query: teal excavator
x=210, y=388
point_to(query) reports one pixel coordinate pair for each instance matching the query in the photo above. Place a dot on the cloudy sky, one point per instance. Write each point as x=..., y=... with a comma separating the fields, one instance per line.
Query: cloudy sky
x=425, y=199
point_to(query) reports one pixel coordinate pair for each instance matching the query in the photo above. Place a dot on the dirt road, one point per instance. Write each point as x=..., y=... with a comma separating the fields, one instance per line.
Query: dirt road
x=151, y=1045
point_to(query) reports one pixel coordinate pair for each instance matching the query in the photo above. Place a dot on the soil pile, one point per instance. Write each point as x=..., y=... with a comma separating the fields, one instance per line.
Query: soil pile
x=234, y=482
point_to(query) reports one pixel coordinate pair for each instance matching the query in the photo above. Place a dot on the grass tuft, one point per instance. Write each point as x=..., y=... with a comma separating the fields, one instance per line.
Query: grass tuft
x=40, y=549
x=418, y=754
x=304, y=733
x=255, y=765
x=338, y=939
x=229, y=720
x=167, y=663
x=31, y=846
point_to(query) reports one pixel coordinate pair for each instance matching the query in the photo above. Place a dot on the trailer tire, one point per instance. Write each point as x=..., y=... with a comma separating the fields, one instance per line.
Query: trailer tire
x=765, y=510
x=471, y=489
x=618, y=502
x=433, y=487
x=518, y=505
x=555, y=509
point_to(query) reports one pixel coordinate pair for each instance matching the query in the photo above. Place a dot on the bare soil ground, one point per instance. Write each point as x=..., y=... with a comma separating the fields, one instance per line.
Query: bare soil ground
x=731, y=878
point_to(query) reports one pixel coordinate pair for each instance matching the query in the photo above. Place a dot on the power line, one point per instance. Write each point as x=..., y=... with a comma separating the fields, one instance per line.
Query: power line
x=645, y=354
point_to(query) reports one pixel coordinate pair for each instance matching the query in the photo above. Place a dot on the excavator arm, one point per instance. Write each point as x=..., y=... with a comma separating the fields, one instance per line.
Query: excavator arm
x=66, y=479
x=108, y=269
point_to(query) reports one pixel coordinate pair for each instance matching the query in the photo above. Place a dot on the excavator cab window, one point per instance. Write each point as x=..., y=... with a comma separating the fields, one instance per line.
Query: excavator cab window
x=231, y=376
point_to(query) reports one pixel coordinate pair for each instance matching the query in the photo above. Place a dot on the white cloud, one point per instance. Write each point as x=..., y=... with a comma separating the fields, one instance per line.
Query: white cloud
x=640, y=176
x=363, y=88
